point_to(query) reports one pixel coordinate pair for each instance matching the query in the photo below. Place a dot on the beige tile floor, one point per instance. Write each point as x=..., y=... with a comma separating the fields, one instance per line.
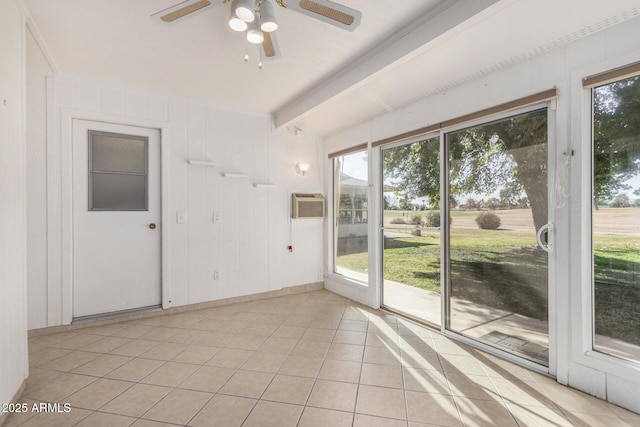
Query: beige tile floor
x=312, y=359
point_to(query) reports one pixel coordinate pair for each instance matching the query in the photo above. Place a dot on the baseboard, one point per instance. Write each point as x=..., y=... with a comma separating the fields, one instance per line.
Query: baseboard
x=16, y=398
x=118, y=315
x=181, y=309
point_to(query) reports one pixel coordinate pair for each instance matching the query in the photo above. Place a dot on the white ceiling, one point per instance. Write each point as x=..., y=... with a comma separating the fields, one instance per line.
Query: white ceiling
x=200, y=56
x=509, y=32
x=327, y=79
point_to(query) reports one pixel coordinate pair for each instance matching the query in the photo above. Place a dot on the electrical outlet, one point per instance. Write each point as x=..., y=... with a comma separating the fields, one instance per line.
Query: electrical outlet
x=216, y=218
x=216, y=275
x=320, y=274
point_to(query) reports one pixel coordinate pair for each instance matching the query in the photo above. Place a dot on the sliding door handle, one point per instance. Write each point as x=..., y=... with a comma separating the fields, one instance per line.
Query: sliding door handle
x=545, y=237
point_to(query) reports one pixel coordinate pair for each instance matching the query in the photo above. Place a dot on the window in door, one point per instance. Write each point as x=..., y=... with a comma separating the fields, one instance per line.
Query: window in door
x=411, y=229
x=497, y=287
x=616, y=218
x=351, y=185
x=118, y=172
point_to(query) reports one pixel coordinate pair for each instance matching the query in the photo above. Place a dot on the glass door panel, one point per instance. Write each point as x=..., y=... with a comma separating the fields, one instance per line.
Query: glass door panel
x=411, y=229
x=497, y=272
x=616, y=218
x=351, y=181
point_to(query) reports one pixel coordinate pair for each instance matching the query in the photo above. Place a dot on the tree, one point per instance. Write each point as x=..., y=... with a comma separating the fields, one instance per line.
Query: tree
x=523, y=203
x=405, y=203
x=508, y=153
x=471, y=204
x=511, y=155
x=509, y=196
x=616, y=136
x=453, y=203
x=493, y=203
x=385, y=203
x=417, y=168
x=620, y=201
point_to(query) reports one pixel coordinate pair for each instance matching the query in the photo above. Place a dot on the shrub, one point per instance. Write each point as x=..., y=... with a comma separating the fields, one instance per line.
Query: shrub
x=398, y=220
x=416, y=220
x=433, y=219
x=488, y=221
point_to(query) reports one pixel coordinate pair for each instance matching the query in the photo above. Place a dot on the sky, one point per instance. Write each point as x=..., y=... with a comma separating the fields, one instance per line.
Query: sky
x=356, y=165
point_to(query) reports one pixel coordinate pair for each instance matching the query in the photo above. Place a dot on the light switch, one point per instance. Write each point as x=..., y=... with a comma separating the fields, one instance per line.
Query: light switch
x=180, y=217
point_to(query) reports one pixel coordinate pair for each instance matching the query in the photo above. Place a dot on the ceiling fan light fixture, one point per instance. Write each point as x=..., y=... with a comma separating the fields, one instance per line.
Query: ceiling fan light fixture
x=237, y=24
x=245, y=10
x=268, y=21
x=254, y=34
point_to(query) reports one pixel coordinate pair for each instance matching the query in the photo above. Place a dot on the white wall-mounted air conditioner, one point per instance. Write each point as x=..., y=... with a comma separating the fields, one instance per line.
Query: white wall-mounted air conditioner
x=307, y=205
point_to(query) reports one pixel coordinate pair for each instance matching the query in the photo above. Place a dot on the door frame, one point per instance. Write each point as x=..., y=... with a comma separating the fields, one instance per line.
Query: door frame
x=557, y=159
x=581, y=355
x=65, y=248
x=552, y=218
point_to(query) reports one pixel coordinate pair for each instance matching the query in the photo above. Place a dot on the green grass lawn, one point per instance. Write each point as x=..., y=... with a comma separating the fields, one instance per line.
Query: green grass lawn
x=503, y=270
x=423, y=271
x=506, y=270
x=617, y=290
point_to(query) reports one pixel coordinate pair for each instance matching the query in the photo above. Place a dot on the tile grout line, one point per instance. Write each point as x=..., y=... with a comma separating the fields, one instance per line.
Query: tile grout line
x=243, y=326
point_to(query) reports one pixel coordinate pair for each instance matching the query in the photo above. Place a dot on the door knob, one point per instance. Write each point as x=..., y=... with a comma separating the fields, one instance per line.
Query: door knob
x=152, y=226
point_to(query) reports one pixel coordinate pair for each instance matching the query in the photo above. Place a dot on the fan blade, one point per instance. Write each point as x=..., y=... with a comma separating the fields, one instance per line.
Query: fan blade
x=327, y=11
x=270, y=48
x=181, y=10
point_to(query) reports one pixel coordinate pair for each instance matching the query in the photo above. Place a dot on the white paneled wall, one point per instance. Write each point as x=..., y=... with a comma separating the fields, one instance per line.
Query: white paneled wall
x=36, y=182
x=14, y=366
x=248, y=247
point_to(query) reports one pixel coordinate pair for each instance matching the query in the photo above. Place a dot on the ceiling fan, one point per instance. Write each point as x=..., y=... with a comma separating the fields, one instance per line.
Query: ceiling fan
x=257, y=18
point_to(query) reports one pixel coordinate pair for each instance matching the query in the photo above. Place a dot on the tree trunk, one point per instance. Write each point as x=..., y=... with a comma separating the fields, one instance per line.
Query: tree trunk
x=532, y=174
x=539, y=202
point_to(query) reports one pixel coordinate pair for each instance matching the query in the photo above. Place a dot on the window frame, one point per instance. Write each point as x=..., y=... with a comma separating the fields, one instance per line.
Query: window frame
x=581, y=297
x=554, y=258
x=91, y=170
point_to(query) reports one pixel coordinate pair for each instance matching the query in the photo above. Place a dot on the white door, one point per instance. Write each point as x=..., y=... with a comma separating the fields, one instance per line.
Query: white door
x=116, y=218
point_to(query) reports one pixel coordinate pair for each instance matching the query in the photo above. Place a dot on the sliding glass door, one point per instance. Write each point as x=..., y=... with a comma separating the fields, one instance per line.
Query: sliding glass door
x=495, y=231
x=497, y=287
x=411, y=229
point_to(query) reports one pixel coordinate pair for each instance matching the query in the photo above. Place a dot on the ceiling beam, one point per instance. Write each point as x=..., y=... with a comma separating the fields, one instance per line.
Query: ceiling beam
x=417, y=36
x=37, y=36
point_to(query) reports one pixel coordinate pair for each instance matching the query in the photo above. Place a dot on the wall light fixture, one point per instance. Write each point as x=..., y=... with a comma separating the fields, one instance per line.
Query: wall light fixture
x=302, y=168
